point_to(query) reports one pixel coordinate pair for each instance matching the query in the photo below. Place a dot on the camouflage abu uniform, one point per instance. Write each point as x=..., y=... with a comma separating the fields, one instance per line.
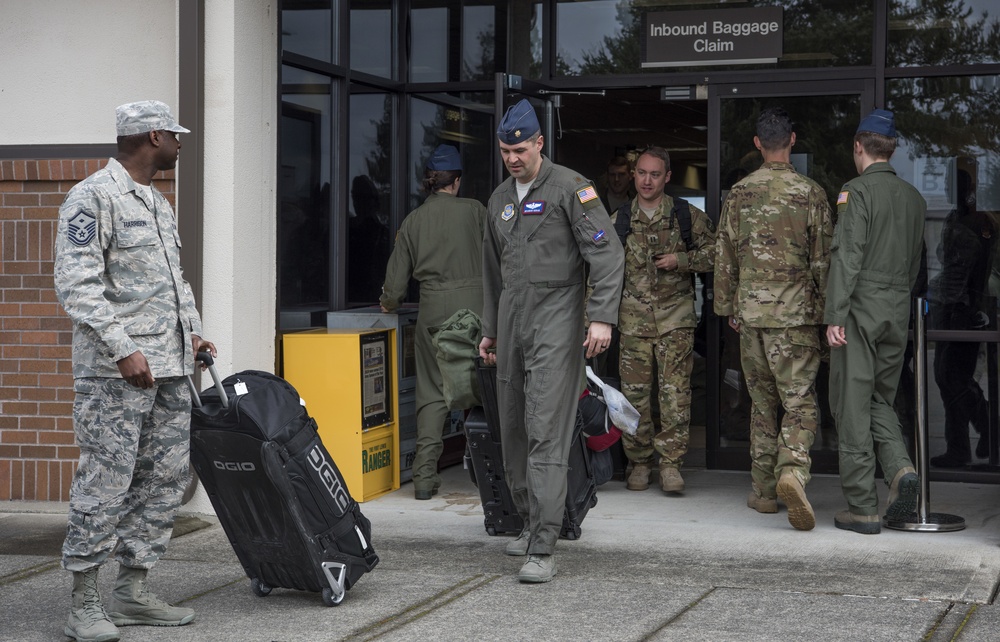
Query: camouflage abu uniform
x=118, y=276
x=657, y=321
x=773, y=253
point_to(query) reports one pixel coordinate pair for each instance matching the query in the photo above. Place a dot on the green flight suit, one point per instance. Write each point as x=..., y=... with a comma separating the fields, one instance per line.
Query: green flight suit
x=874, y=263
x=533, y=273
x=440, y=245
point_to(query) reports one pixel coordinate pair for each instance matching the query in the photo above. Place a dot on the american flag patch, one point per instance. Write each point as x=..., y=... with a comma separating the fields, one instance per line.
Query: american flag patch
x=842, y=198
x=587, y=194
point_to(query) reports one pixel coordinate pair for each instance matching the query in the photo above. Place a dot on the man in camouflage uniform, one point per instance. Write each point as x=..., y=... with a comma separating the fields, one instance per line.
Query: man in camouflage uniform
x=657, y=320
x=135, y=332
x=770, y=279
x=874, y=265
x=543, y=223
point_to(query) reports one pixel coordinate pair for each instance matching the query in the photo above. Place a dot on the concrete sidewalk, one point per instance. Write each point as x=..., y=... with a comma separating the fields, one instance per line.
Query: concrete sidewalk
x=648, y=567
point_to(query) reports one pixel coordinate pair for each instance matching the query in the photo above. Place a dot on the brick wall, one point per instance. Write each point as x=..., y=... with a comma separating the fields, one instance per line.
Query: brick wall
x=37, y=449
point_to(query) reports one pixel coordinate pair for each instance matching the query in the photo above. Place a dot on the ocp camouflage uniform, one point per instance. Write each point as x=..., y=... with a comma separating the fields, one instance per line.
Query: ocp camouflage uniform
x=657, y=321
x=773, y=254
x=118, y=276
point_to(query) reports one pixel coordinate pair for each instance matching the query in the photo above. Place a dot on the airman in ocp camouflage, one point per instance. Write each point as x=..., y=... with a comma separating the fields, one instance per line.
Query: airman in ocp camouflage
x=657, y=320
x=773, y=247
x=135, y=332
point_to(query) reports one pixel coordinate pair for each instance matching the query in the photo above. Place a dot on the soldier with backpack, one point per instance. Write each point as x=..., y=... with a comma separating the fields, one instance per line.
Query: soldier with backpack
x=666, y=241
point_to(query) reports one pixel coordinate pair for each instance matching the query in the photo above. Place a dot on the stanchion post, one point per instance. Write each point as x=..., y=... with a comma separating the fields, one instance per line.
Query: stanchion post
x=923, y=520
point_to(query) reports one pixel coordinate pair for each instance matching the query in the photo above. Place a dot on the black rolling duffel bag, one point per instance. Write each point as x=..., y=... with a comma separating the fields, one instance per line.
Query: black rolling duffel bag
x=277, y=492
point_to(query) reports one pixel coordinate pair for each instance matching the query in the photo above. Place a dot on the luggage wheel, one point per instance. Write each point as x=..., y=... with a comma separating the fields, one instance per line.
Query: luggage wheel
x=259, y=587
x=334, y=595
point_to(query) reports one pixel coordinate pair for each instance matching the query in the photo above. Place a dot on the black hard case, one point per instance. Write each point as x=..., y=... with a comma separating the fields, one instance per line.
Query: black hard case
x=277, y=492
x=482, y=430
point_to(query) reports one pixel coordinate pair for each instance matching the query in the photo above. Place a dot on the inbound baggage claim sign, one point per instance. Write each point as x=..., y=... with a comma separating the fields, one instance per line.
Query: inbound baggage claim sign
x=713, y=37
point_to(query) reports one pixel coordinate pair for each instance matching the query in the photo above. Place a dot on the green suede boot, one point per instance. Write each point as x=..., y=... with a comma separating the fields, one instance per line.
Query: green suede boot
x=132, y=603
x=87, y=620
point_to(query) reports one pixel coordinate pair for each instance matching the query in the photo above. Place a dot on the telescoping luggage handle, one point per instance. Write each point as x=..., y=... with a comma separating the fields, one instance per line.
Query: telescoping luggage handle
x=207, y=359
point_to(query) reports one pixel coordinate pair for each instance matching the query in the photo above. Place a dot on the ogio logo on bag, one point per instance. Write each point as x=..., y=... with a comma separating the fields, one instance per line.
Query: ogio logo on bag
x=235, y=466
x=330, y=478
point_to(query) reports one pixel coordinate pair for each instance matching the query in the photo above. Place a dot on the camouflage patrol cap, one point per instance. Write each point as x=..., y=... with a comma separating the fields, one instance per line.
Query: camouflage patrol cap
x=146, y=116
x=519, y=123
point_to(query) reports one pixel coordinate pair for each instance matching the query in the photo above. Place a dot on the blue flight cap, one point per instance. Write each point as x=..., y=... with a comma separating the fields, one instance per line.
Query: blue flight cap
x=445, y=158
x=879, y=121
x=518, y=124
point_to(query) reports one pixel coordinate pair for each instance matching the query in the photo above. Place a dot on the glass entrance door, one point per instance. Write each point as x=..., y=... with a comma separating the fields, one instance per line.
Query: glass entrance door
x=826, y=115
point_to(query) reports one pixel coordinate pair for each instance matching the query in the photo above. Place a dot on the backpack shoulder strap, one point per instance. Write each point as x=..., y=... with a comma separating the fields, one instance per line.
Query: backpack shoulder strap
x=682, y=210
x=623, y=221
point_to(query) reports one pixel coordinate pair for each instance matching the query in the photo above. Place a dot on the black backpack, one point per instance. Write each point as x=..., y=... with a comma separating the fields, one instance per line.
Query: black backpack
x=681, y=211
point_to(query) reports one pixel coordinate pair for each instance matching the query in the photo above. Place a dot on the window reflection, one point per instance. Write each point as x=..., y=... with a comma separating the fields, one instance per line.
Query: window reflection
x=429, y=31
x=304, y=187
x=371, y=37
x=948, y=32
x=949, y=149
x=525, y=39
x=478, y=38
x=370, y=150
x=307, y=28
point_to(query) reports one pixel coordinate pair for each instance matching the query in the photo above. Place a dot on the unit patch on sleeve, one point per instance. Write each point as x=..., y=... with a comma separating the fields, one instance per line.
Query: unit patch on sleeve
x=82, y=228
x=842, y=198
x=508, y=212
x=587, y=194
x=533, y=208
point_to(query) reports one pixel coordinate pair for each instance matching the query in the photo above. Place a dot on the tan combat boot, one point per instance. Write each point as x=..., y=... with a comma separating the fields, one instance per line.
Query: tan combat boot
x=903, y=494
x=800, y=511
x=132, y=603
x=639, y=477
x=762, y=504
x=670, y=478
x=87, y=620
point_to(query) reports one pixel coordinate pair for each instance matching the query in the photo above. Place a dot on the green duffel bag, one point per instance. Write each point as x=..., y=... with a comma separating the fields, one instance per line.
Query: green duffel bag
x=456, y=343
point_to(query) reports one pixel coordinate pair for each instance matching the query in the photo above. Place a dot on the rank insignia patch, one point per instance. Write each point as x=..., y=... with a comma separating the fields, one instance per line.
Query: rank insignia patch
x=82, y=229
x=533, y=208
x=508, y=212
x=842, y=198
x=587, y=194
x=598, y=236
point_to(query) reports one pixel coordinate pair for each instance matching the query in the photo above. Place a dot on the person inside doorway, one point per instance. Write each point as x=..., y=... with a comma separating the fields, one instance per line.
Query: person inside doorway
x=666, y=241
x=619, y=184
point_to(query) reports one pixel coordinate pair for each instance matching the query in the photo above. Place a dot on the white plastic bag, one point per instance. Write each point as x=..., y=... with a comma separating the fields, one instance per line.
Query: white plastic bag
x=623, y=414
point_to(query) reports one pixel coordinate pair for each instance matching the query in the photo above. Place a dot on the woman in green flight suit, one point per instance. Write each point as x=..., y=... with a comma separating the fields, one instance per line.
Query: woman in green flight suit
x=440, y=245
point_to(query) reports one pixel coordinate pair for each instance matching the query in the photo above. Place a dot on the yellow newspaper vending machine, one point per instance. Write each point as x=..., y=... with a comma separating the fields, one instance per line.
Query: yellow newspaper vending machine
x=346, y=378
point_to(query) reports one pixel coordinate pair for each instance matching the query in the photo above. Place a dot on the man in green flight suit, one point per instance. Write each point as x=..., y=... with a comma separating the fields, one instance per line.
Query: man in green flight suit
x=439, y=244
x=874, y=263
x=543, y=224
